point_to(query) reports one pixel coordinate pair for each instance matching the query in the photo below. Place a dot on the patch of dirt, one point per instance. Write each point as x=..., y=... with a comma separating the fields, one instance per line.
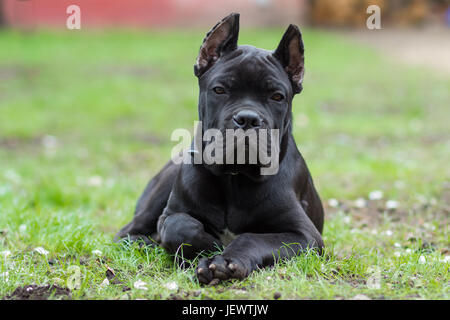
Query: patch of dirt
x=428, y=47
x=32, y=144
x=371, y=214
x=14, y=143
x=219, y=287
x=111, y=276
x=185, y=295
x=10, y=72
x=35, y=292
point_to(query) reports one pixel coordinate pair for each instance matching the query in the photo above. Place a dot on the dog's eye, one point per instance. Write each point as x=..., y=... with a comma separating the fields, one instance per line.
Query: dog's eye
x=277, y=97
x=219, y=90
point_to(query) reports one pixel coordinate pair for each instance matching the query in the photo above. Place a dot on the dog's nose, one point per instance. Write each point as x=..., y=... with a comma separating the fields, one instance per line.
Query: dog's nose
x=247, y=119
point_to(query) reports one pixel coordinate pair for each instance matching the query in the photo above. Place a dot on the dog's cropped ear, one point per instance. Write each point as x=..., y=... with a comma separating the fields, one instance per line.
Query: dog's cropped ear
x=290, y=53
x=221, y=39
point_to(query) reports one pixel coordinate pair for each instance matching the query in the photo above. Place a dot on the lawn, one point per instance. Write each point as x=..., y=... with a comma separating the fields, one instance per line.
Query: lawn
x=85, y=122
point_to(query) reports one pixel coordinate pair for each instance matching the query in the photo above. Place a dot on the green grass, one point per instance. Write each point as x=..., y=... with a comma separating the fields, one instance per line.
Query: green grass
x=111, y=101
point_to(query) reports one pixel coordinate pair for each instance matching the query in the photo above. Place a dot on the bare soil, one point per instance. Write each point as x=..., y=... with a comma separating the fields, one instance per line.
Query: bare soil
x=429, y=47
x=34, y=292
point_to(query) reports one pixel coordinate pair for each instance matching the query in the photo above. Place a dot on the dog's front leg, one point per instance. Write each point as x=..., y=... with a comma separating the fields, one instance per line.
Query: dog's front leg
x=250, y=251
x=184, y=235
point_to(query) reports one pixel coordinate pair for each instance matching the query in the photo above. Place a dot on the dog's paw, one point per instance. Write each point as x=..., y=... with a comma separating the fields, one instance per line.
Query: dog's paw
x=219, y=268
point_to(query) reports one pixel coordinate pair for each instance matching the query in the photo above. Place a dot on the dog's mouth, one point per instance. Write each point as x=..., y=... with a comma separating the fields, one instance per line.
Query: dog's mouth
x=251, y=171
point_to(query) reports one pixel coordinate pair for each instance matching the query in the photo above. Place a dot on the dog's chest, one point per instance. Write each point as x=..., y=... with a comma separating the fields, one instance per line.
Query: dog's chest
x=226, y=237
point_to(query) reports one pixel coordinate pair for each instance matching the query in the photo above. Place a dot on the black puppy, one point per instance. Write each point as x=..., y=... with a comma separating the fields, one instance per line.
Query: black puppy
x=190, y=208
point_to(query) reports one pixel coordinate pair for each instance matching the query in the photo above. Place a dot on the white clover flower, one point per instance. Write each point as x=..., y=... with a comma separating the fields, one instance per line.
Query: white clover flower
x=333, y=203
x=104, y=283
x=22, y=228
x=361, y=297
x=422, y=260
x=3, y=190
x=41, y=251
x=360, y=203
x=5, y=253
x=388, y=233
x=96, y=252
x=391, y=204
x=240, y=291
x=171, y=286
x=429, y=226
x=12, y=175
x=376, y=195
x=95, y=181
x=141, y=285
x=5, y=276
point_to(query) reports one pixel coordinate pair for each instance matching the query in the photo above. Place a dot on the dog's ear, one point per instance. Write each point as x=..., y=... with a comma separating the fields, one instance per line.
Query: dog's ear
x=290, y=53
x=221, y=39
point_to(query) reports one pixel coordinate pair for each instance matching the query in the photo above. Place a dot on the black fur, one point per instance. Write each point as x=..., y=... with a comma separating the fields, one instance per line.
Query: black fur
x=273, y=217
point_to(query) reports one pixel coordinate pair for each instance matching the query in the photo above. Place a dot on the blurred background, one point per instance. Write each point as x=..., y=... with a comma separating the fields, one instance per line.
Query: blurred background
x=126, y=76
x=86, y=117
x=179, y=13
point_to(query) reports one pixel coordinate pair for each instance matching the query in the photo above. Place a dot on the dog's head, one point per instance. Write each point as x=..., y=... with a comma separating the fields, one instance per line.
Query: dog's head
x=248, y=89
